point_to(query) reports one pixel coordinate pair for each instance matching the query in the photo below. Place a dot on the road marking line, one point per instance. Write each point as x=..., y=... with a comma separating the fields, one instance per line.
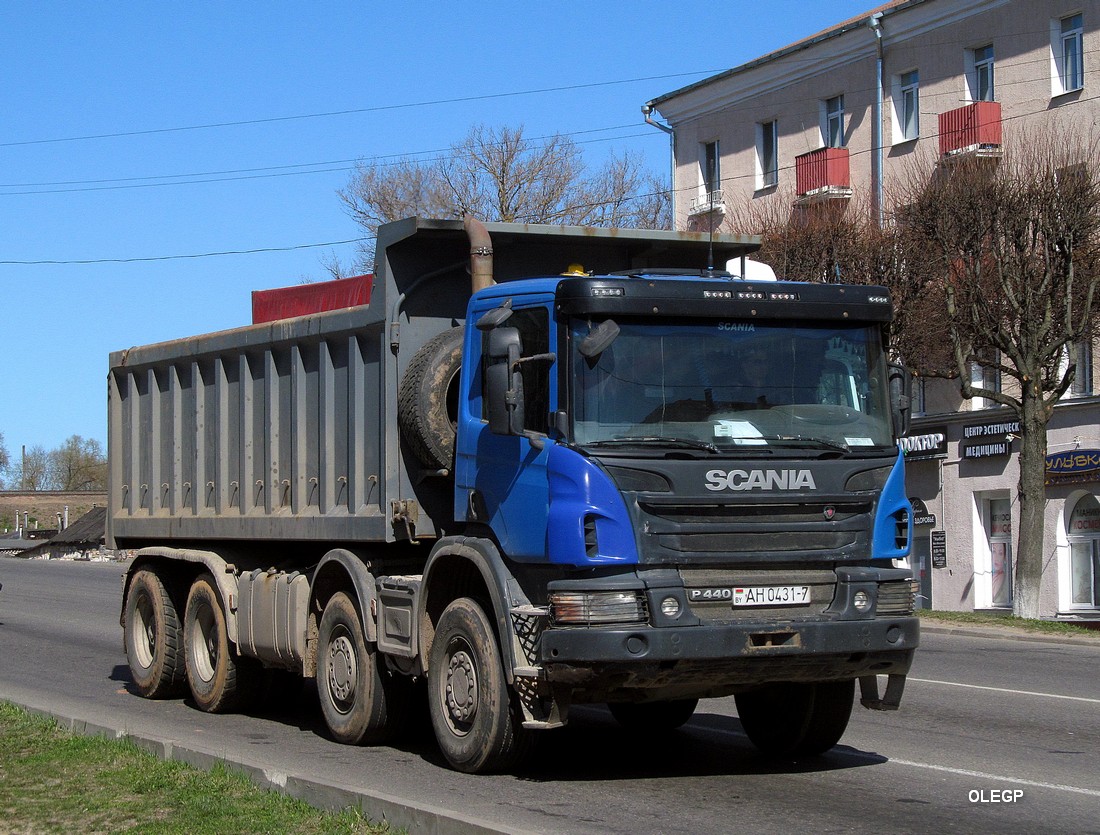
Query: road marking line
x=884, y=759
x=998, y=777
x=1005, y=690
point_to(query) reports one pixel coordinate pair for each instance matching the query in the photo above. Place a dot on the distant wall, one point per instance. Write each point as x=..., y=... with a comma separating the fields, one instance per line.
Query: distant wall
x=43, y=506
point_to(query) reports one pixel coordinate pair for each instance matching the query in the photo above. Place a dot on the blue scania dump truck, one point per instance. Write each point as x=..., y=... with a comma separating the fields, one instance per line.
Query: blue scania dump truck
x=545, y=466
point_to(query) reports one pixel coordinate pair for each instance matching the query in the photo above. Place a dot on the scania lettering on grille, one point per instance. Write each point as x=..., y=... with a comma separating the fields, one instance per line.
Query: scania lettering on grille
x=760, y=480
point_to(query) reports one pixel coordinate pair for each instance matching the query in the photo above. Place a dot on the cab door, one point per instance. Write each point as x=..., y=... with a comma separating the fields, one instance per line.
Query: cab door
x=501, y=479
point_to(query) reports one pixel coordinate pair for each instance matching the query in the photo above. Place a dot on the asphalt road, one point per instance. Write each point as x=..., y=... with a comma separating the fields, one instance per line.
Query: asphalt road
x=994, y=735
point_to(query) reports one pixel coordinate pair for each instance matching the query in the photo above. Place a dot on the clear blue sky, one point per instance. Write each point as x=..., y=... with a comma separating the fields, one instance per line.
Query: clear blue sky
x=121, y=123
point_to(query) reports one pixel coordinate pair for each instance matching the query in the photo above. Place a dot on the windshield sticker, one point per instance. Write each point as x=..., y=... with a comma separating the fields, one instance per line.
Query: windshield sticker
x=859, y=441
x=739, y=431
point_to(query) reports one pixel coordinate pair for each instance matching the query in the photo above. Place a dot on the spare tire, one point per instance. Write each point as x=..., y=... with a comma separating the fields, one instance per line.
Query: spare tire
x=427, y=400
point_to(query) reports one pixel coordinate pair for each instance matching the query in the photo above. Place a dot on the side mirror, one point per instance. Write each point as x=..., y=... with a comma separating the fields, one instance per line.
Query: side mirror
x=901, y=389
x=504, y=383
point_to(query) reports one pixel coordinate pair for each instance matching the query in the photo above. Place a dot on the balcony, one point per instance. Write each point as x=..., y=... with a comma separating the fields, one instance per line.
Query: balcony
x=711, y=201
x=971, y=131
x=823, y=174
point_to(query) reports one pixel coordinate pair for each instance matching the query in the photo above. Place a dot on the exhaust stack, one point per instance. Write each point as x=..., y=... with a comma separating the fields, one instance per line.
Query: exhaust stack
x=481, y=254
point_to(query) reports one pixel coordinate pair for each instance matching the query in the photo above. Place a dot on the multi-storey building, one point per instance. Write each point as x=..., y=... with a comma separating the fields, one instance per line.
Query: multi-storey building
x=842, y=116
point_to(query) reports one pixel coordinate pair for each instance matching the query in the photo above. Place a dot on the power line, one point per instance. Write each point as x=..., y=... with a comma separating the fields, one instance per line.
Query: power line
x=182, y=257
x=352, y=111
x=272, y=171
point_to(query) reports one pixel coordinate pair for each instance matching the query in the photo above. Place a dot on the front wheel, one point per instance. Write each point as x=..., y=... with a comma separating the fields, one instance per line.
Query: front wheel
x=796, y=719
x=476, y=724
x=220, y=681
x=360, y=700
x=653, y=716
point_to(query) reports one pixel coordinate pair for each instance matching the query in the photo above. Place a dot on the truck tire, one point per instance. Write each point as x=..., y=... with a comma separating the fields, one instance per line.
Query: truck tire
x=219, y=680
x=362, y=703
x=427, y=400
x=478, y=727
x=832, y=709
x=796, y=719
x=153, y=638
x=653, y=716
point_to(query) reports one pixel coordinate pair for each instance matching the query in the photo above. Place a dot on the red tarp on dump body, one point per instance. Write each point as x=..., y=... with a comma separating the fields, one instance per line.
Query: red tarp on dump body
x=303, y=299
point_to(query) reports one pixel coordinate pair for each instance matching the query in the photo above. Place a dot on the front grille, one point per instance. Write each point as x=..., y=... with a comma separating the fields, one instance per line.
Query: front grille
x=759, y=530
x=896, y=597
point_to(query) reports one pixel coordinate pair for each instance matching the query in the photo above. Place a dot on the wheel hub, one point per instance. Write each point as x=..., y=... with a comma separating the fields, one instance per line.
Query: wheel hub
x=342, y=670
x=462, y=688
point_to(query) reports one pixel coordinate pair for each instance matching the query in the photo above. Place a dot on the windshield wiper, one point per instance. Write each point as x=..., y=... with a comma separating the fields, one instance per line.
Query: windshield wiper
x=819, y=443
x=656, y=440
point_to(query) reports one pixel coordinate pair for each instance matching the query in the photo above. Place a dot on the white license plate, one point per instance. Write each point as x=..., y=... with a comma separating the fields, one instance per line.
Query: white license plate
x=771, y=596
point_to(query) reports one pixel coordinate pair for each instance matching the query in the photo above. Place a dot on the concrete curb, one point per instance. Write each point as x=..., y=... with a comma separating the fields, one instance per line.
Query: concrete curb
x=1010, y=633
x=375, y=806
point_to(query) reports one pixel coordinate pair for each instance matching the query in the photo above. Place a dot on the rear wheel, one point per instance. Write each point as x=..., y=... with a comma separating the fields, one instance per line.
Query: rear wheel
x=361, y=701
x=796, y=719
x=653, y=716
x=153, y=637
x=220, y=681
x=477, y=725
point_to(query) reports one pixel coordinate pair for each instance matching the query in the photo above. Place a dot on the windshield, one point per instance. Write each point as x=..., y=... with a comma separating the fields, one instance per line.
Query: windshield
x=718, y=385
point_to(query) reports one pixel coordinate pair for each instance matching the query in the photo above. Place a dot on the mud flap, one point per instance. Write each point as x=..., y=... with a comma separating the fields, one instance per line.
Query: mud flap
x=868, y=692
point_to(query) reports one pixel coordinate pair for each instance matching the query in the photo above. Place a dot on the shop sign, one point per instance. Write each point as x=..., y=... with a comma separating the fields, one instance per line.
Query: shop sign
x=939, y=549
x=921, y=516
x=930, y=444
x=986, y=440
x=1073, y=466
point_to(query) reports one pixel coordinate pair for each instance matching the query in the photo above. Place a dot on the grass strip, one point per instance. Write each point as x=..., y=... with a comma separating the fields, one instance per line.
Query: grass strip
x=986, y=619
x=52, y=780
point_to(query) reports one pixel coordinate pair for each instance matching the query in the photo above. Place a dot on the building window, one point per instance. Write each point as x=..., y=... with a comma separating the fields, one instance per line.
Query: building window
x=767, y=154
x=907, y=106
x=917, y=404
x=980, y=73
x=1067, y=54
x=1082, y=378
x=999, y=530
x=1083, y=529
x=985, y=376
x=832, y=124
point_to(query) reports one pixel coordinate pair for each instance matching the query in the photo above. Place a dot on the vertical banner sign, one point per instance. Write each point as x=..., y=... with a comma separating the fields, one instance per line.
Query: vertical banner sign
x=939, y=549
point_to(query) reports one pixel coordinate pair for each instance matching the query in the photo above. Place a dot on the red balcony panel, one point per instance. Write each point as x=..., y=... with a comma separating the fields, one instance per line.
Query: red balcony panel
x=975, y=125
x=823, y=169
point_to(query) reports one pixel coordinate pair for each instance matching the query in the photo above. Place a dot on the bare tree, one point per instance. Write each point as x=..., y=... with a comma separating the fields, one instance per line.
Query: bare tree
x=498, y=174
x=1017, y=247
x=30, y=471
x=78, y=464
x=5, y=460
x=839, y=241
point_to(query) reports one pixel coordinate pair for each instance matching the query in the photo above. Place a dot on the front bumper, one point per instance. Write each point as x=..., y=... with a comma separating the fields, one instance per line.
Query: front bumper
x=712, y=660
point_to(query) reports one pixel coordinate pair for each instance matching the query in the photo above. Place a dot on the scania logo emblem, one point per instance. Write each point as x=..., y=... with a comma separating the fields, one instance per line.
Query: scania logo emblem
x=760, y=480
x=829, y=512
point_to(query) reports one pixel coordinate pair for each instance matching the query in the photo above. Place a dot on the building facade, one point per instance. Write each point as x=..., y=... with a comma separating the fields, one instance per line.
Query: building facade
x=850, y=113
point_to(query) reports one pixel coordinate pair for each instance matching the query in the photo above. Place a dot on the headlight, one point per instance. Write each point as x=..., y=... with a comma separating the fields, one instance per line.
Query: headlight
x=588, y=607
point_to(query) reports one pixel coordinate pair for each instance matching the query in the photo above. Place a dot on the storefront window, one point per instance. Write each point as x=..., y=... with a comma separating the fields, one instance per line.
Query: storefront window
x=1083, y=528
x=1000, y=549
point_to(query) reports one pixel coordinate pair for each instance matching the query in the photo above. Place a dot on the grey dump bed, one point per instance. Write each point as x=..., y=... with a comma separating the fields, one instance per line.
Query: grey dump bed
x=267, y=432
